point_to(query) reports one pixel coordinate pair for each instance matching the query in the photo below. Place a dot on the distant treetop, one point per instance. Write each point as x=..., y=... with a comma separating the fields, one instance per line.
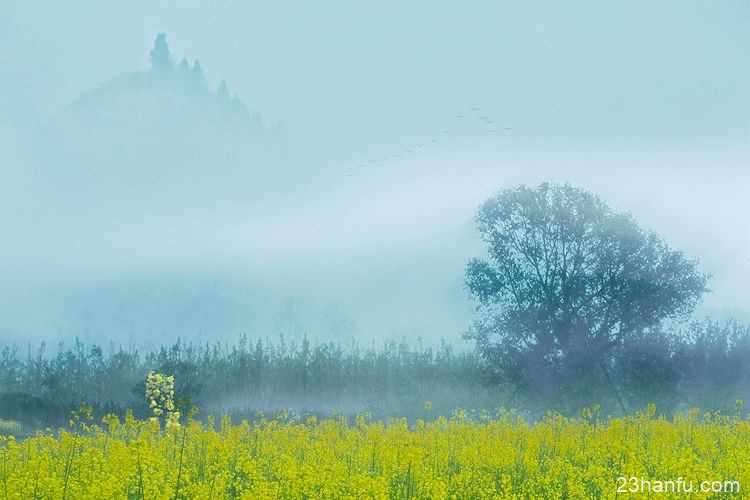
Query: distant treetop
x=223, y=91
x=160, y=57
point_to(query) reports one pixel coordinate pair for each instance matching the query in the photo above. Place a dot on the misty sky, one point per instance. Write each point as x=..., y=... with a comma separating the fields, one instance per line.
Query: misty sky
x=120, y=227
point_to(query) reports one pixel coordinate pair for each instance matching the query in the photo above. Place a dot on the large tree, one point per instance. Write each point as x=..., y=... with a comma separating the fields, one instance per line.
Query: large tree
x=566, y=281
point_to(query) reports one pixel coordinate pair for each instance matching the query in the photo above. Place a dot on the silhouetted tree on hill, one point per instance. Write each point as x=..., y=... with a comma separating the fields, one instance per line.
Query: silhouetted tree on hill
x=184, y=67
x=160, y=58
x=223, y=92
x=197, y=78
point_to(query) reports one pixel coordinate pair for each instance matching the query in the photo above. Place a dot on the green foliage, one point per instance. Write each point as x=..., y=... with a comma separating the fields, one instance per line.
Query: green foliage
x=703, y=365
x=568, y=286
x=394, y=378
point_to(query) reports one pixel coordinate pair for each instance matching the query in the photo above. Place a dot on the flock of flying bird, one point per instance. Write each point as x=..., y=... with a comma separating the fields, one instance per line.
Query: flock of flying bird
x=472, y=114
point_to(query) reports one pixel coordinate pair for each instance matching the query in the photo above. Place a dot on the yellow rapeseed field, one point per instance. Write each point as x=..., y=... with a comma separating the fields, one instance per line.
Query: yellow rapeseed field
x=458, y=457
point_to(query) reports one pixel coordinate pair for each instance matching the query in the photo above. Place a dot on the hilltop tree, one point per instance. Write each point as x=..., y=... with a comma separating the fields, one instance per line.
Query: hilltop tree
x=160, y=57
x=184, y=66
x=197, y=78
x=223, y=92
x=566, y=282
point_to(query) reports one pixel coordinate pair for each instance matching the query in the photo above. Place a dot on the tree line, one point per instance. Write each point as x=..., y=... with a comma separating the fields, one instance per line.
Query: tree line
x=387, y=379
x=705, y=365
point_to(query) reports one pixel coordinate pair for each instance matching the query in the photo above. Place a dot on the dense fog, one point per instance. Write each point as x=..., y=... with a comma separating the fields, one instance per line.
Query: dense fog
x=314, y=168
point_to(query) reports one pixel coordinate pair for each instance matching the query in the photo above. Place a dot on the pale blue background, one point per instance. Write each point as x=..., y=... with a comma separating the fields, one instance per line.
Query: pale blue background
x=646, y=103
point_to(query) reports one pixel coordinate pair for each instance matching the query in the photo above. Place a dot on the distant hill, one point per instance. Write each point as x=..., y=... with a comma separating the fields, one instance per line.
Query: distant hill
x=167, y=88
x=164, y=130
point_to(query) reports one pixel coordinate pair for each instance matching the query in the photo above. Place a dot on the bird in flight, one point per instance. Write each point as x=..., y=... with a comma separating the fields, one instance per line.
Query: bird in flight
x=433, y=140
x=445, y=131
x=460, y=116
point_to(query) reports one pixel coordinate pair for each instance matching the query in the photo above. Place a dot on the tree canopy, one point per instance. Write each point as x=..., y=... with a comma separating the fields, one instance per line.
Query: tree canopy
x=567, y=280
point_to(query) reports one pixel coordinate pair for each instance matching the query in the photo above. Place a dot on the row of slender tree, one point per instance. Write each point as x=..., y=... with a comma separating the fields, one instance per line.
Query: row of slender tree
x=387, y=379
x=704, y=365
